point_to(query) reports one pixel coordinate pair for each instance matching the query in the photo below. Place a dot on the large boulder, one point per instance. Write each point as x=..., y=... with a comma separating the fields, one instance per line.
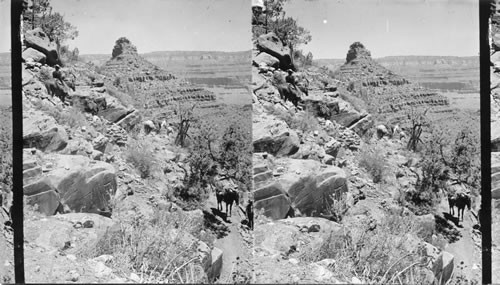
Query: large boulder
x=347, y=115
x=44, y=195
x=216, y=266
x=42, y=132
x=27, y=78
x=284, y=144
x=267, y=59
x=273, y=200
x=315, y=194
x=88, y=102
x=443, y=267
x=130, y=120
x=363, y=125
x=32, y=54
x=271, y=44
x=114, y=111
x=323, y=108
x=38, y=40
x=83, y=185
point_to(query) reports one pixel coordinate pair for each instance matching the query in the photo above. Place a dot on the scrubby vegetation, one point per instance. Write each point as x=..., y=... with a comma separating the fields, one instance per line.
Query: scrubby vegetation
x=372, y=159
x=5, y=157
x=384, y=255
x=141, y=157
x=155, y=247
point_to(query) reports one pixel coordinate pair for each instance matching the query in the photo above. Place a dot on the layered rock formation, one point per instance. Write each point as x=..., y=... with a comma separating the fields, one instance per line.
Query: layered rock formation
x=151, y=88
x=386, y=92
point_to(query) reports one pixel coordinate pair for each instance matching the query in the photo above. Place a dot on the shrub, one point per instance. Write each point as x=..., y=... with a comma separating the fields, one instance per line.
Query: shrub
x=373, y=160
x=432, y=175
x=378, y=256
x=73, y=118
x=157, y=248
x=305, y=122
x=465, y=157
x=141, y=157
x=6, y=157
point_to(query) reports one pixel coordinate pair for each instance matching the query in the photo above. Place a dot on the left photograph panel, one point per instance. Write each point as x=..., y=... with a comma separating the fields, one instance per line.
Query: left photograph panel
x=136, y=141
x=6, y=236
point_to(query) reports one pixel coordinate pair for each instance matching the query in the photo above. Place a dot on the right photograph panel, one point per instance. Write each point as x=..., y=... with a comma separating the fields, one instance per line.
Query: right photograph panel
x=366, y=142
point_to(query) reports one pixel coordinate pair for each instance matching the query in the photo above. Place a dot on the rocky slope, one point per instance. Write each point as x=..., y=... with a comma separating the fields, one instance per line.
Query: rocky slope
x=315, y=197
x=6, y=232
x=97, y=172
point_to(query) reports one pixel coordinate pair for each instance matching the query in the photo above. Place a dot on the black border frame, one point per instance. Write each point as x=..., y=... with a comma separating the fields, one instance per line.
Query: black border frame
x=17, y=215
x=17, y=127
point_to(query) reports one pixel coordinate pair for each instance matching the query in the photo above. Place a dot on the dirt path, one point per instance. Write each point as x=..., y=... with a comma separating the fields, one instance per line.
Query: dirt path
x=467, y=250
x=235, y=245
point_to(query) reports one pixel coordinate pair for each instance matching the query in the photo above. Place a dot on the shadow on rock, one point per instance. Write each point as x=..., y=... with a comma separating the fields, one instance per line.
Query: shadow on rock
x=214, y=224
x=453, y=219
x=447, y=229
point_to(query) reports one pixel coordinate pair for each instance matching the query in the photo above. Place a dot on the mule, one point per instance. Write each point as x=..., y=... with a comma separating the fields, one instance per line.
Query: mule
x=289, y=93
x=57, y=88
x=459, y=200
x=231, y=196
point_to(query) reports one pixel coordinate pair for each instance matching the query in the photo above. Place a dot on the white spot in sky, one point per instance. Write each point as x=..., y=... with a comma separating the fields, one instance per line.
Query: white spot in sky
x=325, y=21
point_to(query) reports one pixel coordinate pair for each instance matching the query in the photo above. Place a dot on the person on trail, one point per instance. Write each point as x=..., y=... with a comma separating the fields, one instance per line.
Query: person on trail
x=57, y=74
x=249, y=212
x=290, y=78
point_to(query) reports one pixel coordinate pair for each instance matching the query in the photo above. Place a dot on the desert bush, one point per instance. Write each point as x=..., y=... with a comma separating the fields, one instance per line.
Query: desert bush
x=418, y=121
x=186, y=117
x=465, y=156
x=6, y=154
x=432, y=175
x=68, y=56
x=373, y=160
x=305, y=122
x=73, y=118
x=140, y=156
x=157, y=248
x=339, y=208
x=379, y=256
x=235, y=154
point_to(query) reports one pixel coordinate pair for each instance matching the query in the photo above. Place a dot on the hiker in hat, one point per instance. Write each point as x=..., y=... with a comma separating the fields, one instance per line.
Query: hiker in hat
x=249, y=212
x=57, y=74
x=290, y=78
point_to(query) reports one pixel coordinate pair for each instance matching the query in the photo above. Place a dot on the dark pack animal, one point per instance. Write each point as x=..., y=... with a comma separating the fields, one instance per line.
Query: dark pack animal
x=229, y=196
x=459, y=200
x=56, y=88
x=289, y=93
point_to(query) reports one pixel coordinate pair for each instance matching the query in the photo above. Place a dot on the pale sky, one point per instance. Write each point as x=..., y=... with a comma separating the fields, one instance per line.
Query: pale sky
x=385, y=27
x=4, y=26
x=389, y=27
x=157, y=25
